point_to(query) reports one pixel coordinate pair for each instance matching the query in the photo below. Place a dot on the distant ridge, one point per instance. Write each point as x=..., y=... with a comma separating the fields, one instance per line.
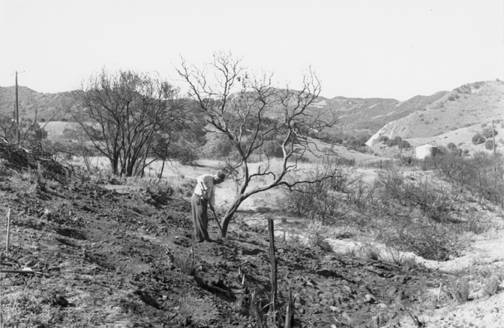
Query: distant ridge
x=418, y=117
x=368, y=115
x=49, y=106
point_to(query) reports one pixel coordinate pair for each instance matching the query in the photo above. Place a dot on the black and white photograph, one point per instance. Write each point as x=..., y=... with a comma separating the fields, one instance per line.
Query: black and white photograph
x=252, y=163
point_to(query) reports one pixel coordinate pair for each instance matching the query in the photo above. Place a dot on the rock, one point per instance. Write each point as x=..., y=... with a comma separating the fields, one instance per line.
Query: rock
x=368, y=298
x=60, y=300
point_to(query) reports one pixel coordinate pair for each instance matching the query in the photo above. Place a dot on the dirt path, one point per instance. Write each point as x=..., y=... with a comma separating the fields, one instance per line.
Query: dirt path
x=483, y=265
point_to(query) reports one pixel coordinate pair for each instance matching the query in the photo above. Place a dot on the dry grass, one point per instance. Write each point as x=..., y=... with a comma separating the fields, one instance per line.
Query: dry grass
x=492, y=285
x=315, y=234
x=200, y=311
x=26, y=308
x=459, y=289
x=185, y=262
x=367, y=251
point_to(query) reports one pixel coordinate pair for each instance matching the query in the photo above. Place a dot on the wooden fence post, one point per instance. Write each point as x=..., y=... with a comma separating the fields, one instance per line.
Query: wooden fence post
x=256, y=310
x=289, y=312
x=273, y=277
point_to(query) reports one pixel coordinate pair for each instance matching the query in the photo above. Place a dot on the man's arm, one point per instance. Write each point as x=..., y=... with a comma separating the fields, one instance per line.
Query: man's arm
x=207, y=187
x=202, y=186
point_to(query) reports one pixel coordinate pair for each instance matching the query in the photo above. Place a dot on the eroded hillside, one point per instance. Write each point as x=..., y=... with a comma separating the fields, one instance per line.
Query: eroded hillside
x=468, y=106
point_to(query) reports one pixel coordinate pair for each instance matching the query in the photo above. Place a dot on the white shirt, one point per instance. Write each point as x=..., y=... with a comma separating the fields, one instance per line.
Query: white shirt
x=205, y=188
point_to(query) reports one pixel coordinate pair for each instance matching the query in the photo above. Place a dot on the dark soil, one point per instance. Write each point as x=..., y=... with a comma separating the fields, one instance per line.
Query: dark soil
x=103, y=259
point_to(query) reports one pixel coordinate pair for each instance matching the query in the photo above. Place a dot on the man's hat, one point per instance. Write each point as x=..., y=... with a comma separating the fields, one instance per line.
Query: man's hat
x=221, y=175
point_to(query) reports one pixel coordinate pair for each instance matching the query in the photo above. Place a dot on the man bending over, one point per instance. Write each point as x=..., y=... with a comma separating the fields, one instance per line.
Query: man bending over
x=204, y=195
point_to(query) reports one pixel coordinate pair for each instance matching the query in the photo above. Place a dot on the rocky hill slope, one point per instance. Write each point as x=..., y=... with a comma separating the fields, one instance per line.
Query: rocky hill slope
x=455, y=117
x=368, y=115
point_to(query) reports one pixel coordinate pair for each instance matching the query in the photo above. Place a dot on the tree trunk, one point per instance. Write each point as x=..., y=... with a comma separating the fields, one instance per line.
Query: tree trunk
x=114, y=162
x=229, y=215
x=162, y=170
x=130, y=168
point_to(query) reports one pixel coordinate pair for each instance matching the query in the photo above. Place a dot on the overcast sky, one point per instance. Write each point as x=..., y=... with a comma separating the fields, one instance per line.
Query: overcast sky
x=387, y=48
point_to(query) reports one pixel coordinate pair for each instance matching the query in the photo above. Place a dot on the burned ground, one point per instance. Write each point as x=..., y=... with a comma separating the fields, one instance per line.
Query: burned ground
x=100, y=258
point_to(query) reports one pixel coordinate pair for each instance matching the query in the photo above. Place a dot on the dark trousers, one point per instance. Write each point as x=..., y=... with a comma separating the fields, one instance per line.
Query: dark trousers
x=200, y=217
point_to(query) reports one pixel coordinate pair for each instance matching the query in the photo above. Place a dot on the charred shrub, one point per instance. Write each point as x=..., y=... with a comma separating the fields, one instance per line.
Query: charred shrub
x=478, y=139
x=482, y=174
x=489, y=133
x=321, y=200
x=432, y=201
x=429, y=240
x=415, y=216
x=489, y=144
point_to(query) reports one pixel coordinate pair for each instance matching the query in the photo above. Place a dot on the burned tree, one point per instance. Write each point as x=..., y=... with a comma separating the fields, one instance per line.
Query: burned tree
x=179, y=137
x=252, y=113
x=122, y=114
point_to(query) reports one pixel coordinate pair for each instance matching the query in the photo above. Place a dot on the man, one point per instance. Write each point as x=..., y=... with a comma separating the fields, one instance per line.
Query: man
x=204, y=195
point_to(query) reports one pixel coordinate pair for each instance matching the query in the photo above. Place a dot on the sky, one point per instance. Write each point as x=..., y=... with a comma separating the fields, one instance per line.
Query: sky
x=358, y=48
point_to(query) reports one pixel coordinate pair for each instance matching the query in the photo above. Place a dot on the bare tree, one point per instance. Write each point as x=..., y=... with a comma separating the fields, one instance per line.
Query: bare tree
x=251, y=113
x=123, y=112
x=31, y=133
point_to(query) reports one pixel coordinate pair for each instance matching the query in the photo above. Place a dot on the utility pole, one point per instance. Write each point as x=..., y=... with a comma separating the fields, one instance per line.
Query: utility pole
x=18, y=133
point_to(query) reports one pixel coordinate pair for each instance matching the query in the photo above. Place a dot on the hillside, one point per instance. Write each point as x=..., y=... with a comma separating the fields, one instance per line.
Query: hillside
x=355, y=116
x=455, y=117
x=92, y=251
x=93, y=257
x=368, y=115
x=49, y=106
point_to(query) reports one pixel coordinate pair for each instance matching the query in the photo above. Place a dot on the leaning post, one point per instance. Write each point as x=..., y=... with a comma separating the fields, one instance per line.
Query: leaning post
x=273, y=277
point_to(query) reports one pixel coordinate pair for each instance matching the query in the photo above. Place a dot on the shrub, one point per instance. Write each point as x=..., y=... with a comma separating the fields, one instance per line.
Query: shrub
x=368, y=252
x=459, y=290
x=356, y=142
x=360, y=195
x=407, y=160
x=394, y=142
x=201, y=312
x=433, y=202
x=452, y=147
x=183, y=152
x=489, y=144
x=315, y=236
x=482, y=174
x=404, y=145
x=478, y=139
x=429, y=240
x=185, y=262
x=383, y=139
x=489, y=133
x=158, y=194
x=491, y=286
x=319, y=201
